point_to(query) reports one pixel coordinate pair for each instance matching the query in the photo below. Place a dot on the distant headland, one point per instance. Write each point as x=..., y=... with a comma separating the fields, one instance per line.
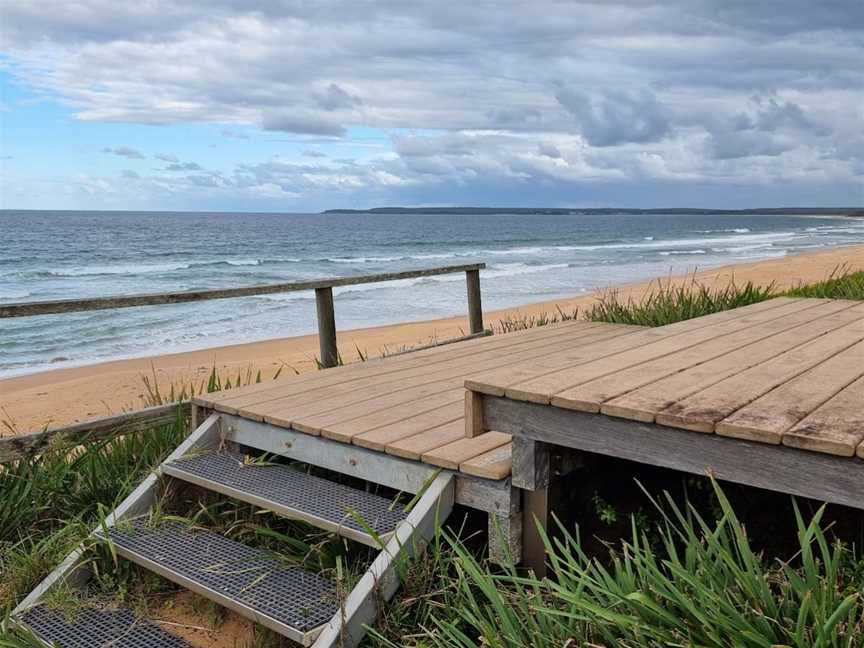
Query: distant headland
x=857, y=212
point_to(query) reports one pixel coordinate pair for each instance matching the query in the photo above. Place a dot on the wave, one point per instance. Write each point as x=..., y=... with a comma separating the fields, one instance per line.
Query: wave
x=732, y=230
x=671, y=252
x=153, y=268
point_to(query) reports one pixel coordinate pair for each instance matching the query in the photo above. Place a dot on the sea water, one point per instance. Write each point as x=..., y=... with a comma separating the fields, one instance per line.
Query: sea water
x=62, y=255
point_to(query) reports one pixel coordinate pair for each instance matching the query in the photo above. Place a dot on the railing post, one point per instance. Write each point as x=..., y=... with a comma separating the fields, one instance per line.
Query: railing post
x=326, y=327
x=475, y=307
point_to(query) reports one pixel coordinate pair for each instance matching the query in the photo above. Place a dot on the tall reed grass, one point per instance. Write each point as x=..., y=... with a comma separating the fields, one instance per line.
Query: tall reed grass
x=691, y=582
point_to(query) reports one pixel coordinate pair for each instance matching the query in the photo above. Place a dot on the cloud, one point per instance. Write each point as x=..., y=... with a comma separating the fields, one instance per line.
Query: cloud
x=334, y=97
x=184, y=166
x=564, y=95
x=301, y=123
x=129, y=174
x=167, y=157
x=313, y=154
x=617, y=116
x=125, y=151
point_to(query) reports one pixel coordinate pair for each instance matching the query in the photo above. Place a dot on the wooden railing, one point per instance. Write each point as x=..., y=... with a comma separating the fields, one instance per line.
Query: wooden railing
x=22, y=446
x=18, y=447
x=323, y=300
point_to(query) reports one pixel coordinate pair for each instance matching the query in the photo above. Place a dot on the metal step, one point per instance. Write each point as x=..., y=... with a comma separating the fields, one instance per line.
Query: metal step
x=286, y=491
x=254, y=583
x=91, y=627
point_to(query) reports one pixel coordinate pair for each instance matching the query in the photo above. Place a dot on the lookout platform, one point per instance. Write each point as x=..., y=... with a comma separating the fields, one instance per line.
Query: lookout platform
x=411, y=405
x=769, y=395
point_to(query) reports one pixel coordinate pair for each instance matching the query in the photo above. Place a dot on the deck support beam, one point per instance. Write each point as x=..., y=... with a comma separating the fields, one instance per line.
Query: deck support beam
x=485, y=495
x=827, y=478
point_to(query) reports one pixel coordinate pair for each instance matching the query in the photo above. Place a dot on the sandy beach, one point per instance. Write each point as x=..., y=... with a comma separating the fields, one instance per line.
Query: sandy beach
x=53, y=398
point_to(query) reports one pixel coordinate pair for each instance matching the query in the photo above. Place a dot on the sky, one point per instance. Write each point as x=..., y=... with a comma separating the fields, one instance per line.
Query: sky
x=284, y=105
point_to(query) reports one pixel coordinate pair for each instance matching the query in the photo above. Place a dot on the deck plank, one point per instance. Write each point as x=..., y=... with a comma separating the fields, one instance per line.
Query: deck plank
x=645, y=403
x=329, y=402
x=230, y=400
x=345, y=431
x=547, y=389
x=496, y=383
x=371, y=386
x=837, y=427
x=380, y=437
x=495, y=464
x=590, y=395
x=701, y=411
x=451, y=455
x=768, y=417
x=413, y=447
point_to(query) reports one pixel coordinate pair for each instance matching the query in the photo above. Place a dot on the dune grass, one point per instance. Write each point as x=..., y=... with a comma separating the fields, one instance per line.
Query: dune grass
x=841, y=284
x=667, y=303
x=691, y=582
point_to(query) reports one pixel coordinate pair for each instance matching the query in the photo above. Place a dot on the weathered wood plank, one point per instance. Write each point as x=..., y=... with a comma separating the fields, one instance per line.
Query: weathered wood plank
x=375, y=467
x=547, y=388
x=400, y=368
x=701, y=411
x=414, y=446
x=494, y=464
x=495, y=383
x=451, y=455
x=768, y=417
x=345, y=431
x=824, y=477
x=837, y=427
x=26, y=445
x=358, y=397
x=645, y=403
x=260, y=392
x=380, y=437
x=28, y=309
x=590, y=395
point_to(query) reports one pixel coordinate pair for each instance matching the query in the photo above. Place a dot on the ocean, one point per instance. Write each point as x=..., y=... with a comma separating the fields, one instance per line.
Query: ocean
x=56, y=255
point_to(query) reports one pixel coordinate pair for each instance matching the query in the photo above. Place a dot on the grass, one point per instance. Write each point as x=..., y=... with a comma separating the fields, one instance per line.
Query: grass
x=697, y=582
x=668, y=303
x=841, y=284
x=694, y=580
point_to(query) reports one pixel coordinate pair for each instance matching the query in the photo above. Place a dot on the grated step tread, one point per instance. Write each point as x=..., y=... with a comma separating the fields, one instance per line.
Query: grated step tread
x=90, y=626
x=314, y=499
x=252, y=581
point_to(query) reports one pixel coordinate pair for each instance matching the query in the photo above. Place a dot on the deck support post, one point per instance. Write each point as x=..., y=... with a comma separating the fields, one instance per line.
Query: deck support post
x=532, y=472
x=505, y=536
x=475, y=307
x=473, y=414
x=326, y=327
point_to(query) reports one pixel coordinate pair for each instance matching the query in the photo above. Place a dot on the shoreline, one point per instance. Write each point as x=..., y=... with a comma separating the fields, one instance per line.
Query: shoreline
x=54, y=397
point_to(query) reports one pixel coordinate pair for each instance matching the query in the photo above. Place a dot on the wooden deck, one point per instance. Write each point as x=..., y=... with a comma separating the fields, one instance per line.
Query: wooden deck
x=412, y=405
x=785, y=371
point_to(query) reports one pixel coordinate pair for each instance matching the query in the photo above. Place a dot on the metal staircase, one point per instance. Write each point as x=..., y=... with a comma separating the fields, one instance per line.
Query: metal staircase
x=292, y=601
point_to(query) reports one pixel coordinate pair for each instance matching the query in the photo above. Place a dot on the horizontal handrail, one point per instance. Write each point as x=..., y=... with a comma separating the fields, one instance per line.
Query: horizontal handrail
x=28, y=309
x=27, y=445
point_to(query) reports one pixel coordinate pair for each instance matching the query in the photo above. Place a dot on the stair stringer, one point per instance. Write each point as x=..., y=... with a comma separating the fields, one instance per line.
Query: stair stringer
x=72, y=571
x=380, y=582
